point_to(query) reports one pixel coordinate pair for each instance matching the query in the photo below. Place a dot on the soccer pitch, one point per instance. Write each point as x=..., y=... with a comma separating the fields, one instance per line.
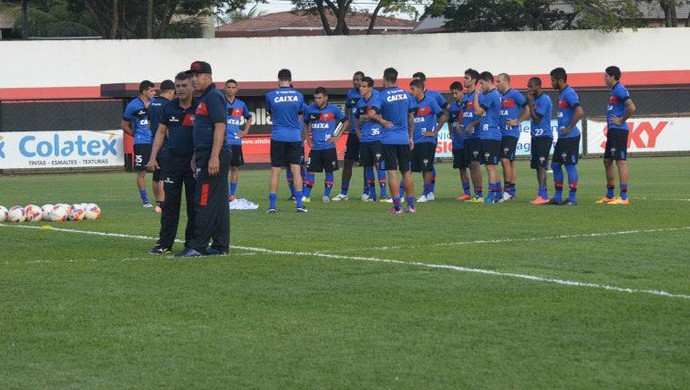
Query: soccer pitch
x=456, y=296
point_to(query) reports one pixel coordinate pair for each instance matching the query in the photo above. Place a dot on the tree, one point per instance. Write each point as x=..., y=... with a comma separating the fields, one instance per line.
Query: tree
x=514, y=15
x=47, y=18
x=669, y=8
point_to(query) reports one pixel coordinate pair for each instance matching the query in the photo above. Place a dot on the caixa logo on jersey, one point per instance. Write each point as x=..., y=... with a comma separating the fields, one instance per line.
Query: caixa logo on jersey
x=62, y=145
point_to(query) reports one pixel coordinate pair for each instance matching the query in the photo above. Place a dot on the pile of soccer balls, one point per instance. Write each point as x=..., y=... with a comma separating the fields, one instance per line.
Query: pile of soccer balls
x=54, y=213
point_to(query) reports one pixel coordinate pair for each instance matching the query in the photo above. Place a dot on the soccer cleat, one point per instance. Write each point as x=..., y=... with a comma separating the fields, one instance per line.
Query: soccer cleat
x=463, y=197
x=422, y=199
x=271, y=211
x=146, y=205
x=430, y=196
x=385, y=200
x=539, y=201
x=211, y=251
x=302, y=210
x=306, y=200
x=159, y=250
x=365, y=197
x=475, y=199
x=490, y=200
x=292, y=198
x=411, y=210
x=232, y=198
x=569, y=203
x=605, y=200
x=189, y=252
x=340, y=197
x=394, y=211
x=619, y=200
x=506, y=197
x=159, y=209
x=556, y=202
x=325, y=199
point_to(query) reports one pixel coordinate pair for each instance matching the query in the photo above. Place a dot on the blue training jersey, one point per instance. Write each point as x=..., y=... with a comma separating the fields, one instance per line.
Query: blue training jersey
x=370, y=129
x=543, y=107
x=155, y=112
x=425, y=119
x=468, y=116
x=137, y=114
x=323, y=122
x=567, y=103
x=180, y=123
x=397, y=104
x=237, y=111
x=438, y=98
x=616, y=107
x=285, y=105
x=489, y=121
x=455, y=124
x=353, y=96
x=512, y=103
x=211, y=110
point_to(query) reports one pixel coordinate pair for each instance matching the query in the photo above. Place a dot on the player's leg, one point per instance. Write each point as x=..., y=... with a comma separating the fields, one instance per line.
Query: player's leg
x=277, y=163
x=573, y=154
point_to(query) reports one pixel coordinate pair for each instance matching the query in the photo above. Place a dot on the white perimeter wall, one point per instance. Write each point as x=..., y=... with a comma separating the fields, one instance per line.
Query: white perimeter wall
x=91, y=63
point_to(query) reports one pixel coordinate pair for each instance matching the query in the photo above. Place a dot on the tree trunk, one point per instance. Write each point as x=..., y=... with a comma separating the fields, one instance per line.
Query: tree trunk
x=324, y=19
x=372, y=22
x=115, y=20
x=149, y=19
x=25, y=19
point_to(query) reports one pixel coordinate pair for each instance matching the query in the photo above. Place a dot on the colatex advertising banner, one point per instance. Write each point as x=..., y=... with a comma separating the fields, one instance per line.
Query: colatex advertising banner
x=645, y=135
x=61, y=149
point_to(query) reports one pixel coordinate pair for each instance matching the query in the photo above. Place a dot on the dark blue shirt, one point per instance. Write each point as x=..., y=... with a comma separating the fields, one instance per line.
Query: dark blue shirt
x=567, y=103
x=369, y=128
x=236, y=111
x=180, y=123
x=425, y=119
x=397, y=104
x=616, y=107
x=353, y=97
x=155, y=112
x=489, y=121
x=323, y=122
x=512, y=103
x=455, y=124
x=468, y=116
x=137, y=113
x=211, y=110
x=543, y=107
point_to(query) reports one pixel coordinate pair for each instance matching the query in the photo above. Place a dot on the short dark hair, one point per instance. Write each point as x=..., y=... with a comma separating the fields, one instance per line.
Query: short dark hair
x=358, y=73
x=167, y=85
x=390, y=75
x=614, y=72
x=559, y=74
x=474, y=75
x=417, y=83
x=486, y=76
x=419, y=75
x=144, y=85
x=536, y=81
x=182, y=76
x=321, y=91
x=455, y=85
x=505, y=76
x=285, y=75
x=231, y=81
x=368, y=80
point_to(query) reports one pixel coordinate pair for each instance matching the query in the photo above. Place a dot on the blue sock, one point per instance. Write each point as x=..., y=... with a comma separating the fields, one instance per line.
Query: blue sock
x=291, y=185
x=543, y=193
x=328, y=184
x=272, y=200
x=144, y=196
x=427, y=189
x=466, y=187
x=433, y=179
x=233, y=188
x=410, y=201
x=624, y=191
x=402, y=189
x=309, y=179
x=396, y=202
x=558, y=181
x=344, y=186
x=382, y=183
x=609, y=191
x=573, y=178
x=298, y=198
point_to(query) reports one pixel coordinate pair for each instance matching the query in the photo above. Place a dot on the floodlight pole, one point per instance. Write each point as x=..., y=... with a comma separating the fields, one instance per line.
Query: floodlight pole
x=25, y=19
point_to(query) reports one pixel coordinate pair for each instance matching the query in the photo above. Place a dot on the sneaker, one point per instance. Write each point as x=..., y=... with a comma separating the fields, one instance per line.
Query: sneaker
x=189, y=252
x=146, y=205
x=160, y=250
x=605, y=200
x=306, y=200
x=340, y=197
x=232, y=198
x=325, y=199
x=159, y=209
x=365, y=197
x=569, y=203
x=211, y=251
x=506, y=197
x=422, y=199
x=540, y=201
x=385, y=200
x=463, y=197
x=271, y=211
x=302, y=210
x=430, y=196
x=475, y=199
x=489, y=200
x=411, y=210
x=292, y=198
x=619, y=200
x=556, y=202
x=394, y=211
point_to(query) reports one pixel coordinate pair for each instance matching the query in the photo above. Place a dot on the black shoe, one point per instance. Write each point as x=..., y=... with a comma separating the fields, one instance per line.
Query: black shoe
x=569, y=203
x=189, y=252
x=302, y=210
x=211, y=251
x=160, y=250
x=292, y=197
x=554, y=202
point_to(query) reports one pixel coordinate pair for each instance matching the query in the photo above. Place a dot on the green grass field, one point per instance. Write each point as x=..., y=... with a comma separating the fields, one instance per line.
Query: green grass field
x=508, y=296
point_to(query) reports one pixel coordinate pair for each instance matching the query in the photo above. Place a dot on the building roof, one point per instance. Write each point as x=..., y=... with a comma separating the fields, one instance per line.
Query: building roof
x=293, y=23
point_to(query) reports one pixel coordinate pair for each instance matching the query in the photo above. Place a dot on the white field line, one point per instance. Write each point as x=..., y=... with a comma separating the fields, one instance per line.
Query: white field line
x=562, y=282
x=528, y=239
x=663, y=199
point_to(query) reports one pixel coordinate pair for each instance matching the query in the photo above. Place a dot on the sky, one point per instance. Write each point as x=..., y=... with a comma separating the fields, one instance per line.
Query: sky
x=286, y=5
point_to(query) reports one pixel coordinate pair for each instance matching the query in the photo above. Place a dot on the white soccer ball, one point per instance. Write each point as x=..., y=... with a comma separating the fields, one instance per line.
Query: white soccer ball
x=92, y=211
x=76, y=212
x=45, y=209
x=3, y=214
x=57, y=213
x=33, y=213
x=16, y=214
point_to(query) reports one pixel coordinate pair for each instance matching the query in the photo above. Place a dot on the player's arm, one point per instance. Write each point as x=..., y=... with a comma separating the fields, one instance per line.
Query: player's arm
x=126, y=126
x=442, y=119
x=373, y=115
x=158, y=141
x=247, y=126
x=524, y=115
x=220, y=122
x=307, y=134
x=478, y=109
x=410, y=127
x=577, y=115
x=630, y=109
x=342, y=127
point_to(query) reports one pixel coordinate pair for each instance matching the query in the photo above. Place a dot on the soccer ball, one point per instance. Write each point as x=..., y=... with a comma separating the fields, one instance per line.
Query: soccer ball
x=33, y=213
x=58, y=213
x=92, y=211
x=76, y=212
x=3, y=214
x=16, y=214
x=46, y=211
